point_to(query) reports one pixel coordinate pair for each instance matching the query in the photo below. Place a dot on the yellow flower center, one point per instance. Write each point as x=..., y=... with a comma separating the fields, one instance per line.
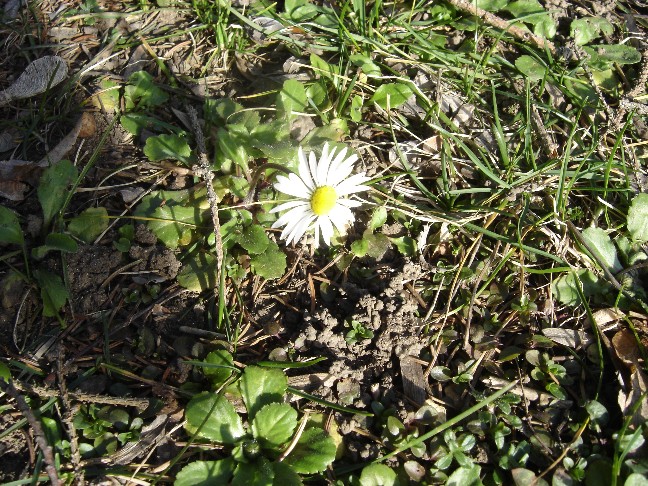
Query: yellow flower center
x=323, y=200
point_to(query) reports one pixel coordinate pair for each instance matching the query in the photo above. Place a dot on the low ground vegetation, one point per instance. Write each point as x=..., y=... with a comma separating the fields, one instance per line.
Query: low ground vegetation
x=371, y=243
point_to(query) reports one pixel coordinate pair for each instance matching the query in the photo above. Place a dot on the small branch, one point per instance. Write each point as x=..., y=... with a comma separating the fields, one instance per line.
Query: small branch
x=68, y=420
x=203, y=170
x=139, y=403
x=505, y=25
x=39, y=434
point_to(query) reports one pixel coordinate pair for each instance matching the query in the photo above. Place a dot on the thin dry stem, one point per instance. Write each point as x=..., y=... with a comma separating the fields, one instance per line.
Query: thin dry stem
x=204, y=171
x=39, y=434
x=68, y=420
x=500, y=23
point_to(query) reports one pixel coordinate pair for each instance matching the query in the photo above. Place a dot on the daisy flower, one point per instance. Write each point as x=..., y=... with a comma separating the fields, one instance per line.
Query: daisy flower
x=322, y=188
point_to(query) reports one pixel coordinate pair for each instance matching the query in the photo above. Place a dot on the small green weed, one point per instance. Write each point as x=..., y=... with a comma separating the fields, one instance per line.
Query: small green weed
x=274, y=447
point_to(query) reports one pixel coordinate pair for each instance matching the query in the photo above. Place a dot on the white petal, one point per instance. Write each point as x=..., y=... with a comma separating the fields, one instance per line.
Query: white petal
x=327, y=229
x=289, y=205
x=341, y=172
x=300, y=229
x=292, y=225
x=317, y=234
x=330, y=171
x=291, y=216
x=293, y=186
x=340, y=157
x=302, y=157
x=312, y=162
x=349, y=203
x=304, y=171
x=323, y=165
x=341, y=217
x=352, y=185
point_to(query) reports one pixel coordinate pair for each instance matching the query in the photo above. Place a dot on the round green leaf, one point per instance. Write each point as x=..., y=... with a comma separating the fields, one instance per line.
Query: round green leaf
x=391, y=95
x=222, y=424
x=205, y=473
x=142, y=91
x=162, y=147
x=89, y=224
x=618, y=53
x=465, y=476
x=491, y=5
x=635, y=479
x=254, y=239
x=61, y=242
x=586, y=29
x=314, y=451
x=523, y=477
x=10, y=231
x=53, y=188
x=638, y=218
x=53, y=292
x=5, y=373
x=378, y=475
x=604, y=250
x=530, y=67
x=271, y=263
x=198, y=273
x=285, y=475
x=219, y=357
x=257, y=473
x=291, y=99
x=274, y=424
x=565, y=289
x=261, y=386
x=378, y=218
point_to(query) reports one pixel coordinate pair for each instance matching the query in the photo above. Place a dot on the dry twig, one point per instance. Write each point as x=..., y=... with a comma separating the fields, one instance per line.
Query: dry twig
x=39, y=434
x=500, y=23
x=203, y=171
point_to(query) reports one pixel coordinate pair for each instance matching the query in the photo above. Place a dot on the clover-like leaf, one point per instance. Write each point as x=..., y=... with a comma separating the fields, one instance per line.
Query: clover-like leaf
x=314, y=451
x=89, y=224
x=638, y=218
x=262, y=386
x=206, y=473
x=254, y=239
x=163, y=147
x=274, y=424
x=271, y=263
x=10, y=231
x=391, y=95
x=221, y=422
